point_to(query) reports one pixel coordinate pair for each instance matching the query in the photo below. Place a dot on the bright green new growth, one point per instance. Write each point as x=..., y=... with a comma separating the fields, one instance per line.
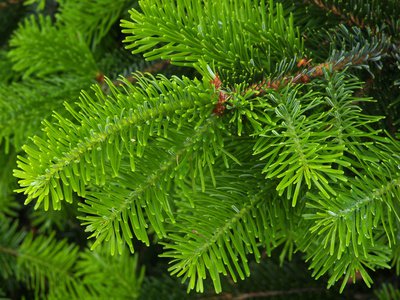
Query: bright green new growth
x=242, y=40
x=112, y=125
x=299, y=168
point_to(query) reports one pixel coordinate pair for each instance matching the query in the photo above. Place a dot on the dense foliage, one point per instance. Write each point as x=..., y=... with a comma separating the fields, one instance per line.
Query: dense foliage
x=211, y=140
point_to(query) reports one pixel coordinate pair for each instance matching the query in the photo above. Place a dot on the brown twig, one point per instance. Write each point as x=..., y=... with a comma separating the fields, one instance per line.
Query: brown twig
x=264, y=294
x=276, y=293
x=349, y=18
x=222, y=96
x=261, y=88
x=310, y=73
x=6, y=4
x=301, y=77
x=154, y=68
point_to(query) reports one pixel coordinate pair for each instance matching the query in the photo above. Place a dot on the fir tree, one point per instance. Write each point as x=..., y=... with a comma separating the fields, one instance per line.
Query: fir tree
x=211, y=140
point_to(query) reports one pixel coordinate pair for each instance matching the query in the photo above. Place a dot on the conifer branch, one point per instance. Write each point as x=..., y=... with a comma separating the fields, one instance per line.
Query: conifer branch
x=152, y=69
x=214, y=244
x=348, y=17
x=313, y=72
x=363, y=14
x=190, y=41
x=338, y=61
x=271, y=149
x=46, y=176
x=264, y=294
x=147, y=193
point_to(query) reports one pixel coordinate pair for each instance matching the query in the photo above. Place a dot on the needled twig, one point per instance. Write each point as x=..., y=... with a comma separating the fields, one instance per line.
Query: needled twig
x=301, y=77
x=349, y=18
x=153, y=69
x=264, y=294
